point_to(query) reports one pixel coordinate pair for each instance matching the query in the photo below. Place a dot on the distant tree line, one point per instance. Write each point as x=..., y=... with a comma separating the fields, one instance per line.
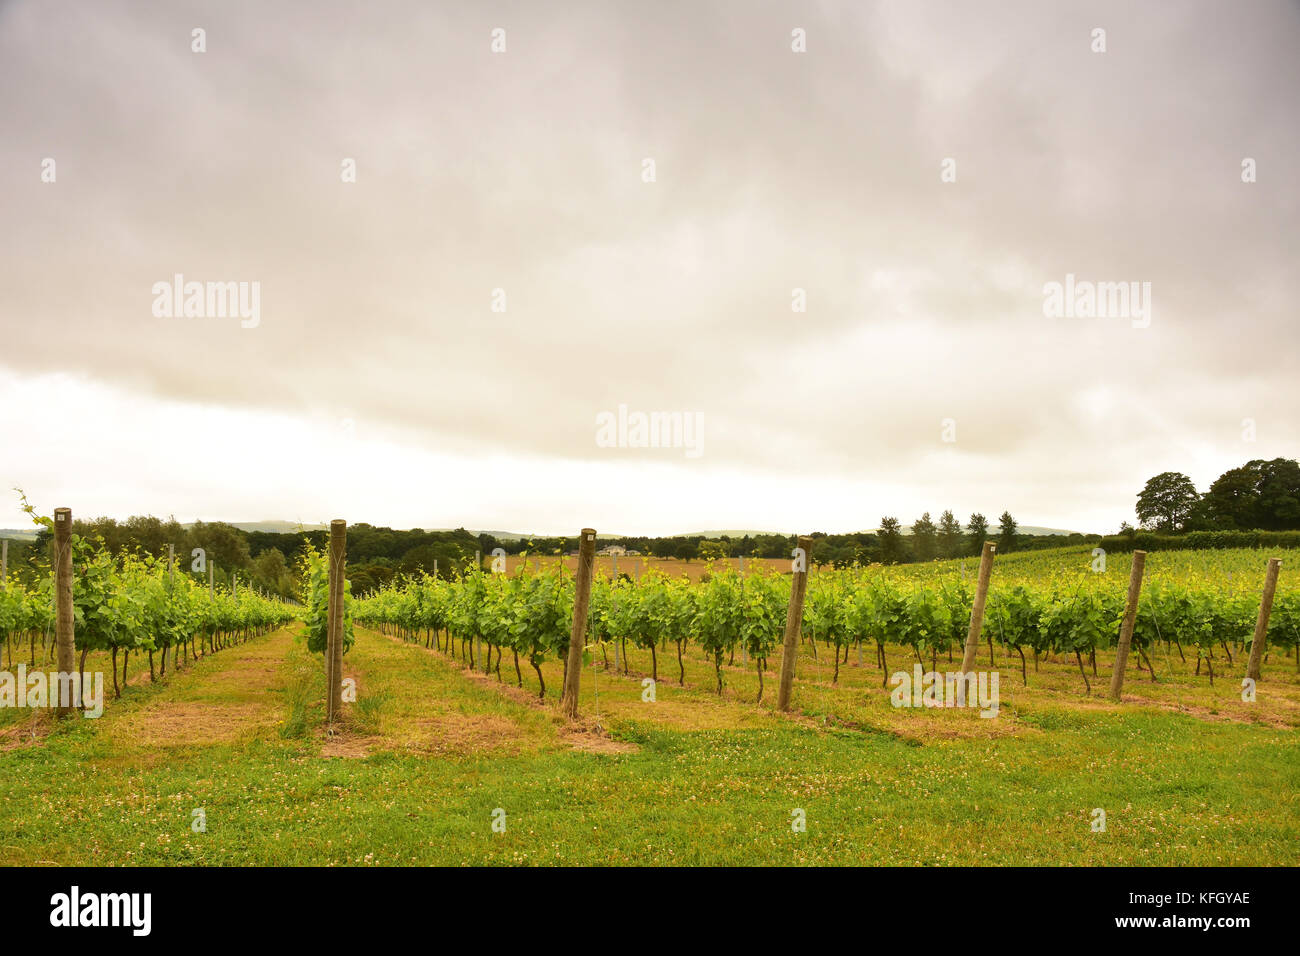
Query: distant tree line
x=890, y=544
x=1254, y=505
x=267, y=560
x=229, y=549
x=377, y=555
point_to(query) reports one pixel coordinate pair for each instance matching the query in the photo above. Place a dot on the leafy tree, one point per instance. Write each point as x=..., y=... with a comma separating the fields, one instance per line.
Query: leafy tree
x=1258, y=495
x=892, y=547
x=1007, y=533
x=224, y=543
x=1279, y=495
x=949, y=535
x=1230, y=502
x=924, y=538
x=712, y=550
x=153, y=535
x=1167, y=501
x=271, y=571
x=978, y=527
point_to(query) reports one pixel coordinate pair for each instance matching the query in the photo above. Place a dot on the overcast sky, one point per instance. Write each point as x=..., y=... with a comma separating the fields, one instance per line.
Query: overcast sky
x=379, y=385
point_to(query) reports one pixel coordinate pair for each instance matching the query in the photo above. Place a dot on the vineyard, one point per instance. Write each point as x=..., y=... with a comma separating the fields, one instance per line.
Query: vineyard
x=1049, y=605
x=133, y=603
x=456, y=714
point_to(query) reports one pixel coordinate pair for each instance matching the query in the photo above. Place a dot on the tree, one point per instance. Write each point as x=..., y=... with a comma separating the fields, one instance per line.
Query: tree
x=891, y=541
x=949, y=535
x=712, y=550
x=1167, y=501
x=271, y=570
x=1259, y=494
x=1279, y=495
x=979, y=531
x=422, y=558
x=1007, y=536
x=924, y=538
x=225, y=544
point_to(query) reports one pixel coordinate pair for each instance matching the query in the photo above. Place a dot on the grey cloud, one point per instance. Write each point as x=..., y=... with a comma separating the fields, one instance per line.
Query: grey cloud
x=775, y=170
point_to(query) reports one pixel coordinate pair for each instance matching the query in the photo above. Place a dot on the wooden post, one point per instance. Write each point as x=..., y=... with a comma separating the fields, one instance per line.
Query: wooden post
x=171, y=563
x=1126, y=626
x=977, y=609
x=1261, y=623
x=212, y=580
x=794, y=622
x=578, y=637
x=4, y=563
x=614, y=583
x=64, y=619
x=334, y=639
x=744, y=651
x=234, y=584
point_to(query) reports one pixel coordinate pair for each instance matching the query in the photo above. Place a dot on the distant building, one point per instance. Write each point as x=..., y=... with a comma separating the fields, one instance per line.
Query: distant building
x=614, y=551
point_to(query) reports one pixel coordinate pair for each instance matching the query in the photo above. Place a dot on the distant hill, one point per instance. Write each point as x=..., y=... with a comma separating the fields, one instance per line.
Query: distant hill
x=517, y=536
x=270, y=527
x=15, y=534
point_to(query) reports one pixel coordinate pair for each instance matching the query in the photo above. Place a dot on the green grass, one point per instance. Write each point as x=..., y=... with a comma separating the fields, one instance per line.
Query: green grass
x=429, y=752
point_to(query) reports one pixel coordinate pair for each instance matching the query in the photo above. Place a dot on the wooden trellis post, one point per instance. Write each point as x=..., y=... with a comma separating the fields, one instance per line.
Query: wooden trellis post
x=794, y=621
x=1126, y=626
x=334, y=631
x=977, y=609
x=578, y=637
x=744, y=651
x=64, y=619
x=615, y=584
x=1260, y=640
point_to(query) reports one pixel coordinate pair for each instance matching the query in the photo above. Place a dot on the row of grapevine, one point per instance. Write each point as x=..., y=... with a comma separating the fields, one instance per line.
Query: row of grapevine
x=1071, y=616
x=133, y=603
x=529, y=615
